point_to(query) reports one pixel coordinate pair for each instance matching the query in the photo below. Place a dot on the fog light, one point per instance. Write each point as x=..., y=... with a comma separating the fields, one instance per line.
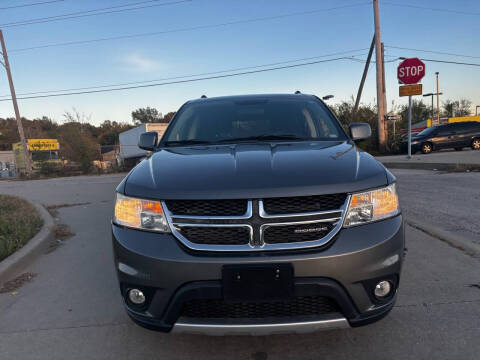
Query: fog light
x=382, y=289
x=136, y=297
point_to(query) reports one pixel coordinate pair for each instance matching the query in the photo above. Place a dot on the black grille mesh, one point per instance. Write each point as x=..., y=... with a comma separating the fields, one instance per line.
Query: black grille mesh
x=299, y=204
x=300, y=305
x=207, y=207
x=305, y=232
x=216, y=235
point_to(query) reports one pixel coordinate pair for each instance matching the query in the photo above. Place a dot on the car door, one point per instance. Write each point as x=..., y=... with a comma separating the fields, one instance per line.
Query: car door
x=464, y=131
x=445, y=137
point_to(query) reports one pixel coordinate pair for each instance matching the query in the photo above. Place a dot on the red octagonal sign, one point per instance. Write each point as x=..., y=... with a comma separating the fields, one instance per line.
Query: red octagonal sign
x=411, y=71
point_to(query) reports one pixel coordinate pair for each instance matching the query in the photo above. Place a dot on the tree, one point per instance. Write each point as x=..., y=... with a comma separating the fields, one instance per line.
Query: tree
x=146, y=115
x=168, y=117
x=420, y=112
x=464, y=108
x=451, y=108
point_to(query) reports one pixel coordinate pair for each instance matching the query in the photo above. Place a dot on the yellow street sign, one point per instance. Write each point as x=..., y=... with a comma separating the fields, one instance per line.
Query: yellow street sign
x=408, y=90
x=42, y=144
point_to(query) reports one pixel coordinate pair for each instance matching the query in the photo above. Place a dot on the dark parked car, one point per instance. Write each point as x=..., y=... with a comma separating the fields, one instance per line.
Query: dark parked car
x=455, y=135
x=257, y=214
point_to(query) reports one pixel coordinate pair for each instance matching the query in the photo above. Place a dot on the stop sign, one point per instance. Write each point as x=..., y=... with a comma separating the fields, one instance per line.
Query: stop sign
x=411, y=71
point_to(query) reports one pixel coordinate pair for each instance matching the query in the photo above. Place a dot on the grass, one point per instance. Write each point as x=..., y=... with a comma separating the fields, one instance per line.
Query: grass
x=19, y=222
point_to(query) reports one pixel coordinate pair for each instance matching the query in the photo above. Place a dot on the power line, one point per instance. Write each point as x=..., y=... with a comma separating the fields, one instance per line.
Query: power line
x=191, y=28
x=433, y=52
x=450, y=62
x=184, y=81
x=93, y=12
x=194, y=75
x=431, y=9
x=31, y=4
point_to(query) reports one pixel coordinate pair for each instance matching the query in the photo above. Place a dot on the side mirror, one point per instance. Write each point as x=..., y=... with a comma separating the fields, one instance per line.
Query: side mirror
x=148, y=140
x=360, y=131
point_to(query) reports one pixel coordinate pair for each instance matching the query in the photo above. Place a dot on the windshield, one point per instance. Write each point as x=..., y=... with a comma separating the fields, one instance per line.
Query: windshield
x=427, y=131
x=44, y=155
x=224, y=121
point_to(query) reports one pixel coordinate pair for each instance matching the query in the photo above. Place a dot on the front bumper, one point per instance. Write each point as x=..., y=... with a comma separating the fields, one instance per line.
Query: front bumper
x=343, y=270
x=416, y=147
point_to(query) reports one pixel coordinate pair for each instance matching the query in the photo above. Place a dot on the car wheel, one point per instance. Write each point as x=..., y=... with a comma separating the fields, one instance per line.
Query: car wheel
x=476, y=144
x=426, y=148
x=459, y=148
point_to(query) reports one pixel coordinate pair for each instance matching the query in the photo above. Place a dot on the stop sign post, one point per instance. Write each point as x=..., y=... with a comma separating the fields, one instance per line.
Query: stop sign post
x=410, y=72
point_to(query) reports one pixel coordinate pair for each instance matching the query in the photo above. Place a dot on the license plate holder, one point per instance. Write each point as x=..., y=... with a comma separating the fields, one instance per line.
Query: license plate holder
x=257, y=283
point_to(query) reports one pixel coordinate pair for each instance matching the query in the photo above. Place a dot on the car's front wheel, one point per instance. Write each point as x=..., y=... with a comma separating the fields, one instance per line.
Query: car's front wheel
x=476, y=144
x=427, y=148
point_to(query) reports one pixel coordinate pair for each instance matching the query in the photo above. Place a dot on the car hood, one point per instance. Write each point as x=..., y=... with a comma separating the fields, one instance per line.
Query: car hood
x=254, y=171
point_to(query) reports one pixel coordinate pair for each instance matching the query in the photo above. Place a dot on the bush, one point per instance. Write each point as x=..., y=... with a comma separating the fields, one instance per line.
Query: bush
x=19, y=222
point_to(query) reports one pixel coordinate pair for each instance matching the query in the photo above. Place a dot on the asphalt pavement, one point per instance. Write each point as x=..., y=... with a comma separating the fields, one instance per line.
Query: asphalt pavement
x=449, y=201
x=72, y=309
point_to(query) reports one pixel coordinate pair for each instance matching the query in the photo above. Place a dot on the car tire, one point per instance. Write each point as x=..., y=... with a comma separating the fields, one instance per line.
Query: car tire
x=427, y=148
x=458, y=148
x=476, y=144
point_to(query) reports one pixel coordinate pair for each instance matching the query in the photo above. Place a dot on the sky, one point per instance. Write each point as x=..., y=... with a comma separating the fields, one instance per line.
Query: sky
x=323, y=27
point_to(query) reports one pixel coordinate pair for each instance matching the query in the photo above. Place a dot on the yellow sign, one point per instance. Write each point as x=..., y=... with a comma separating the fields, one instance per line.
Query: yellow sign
x=43, y=144
x=409, y=90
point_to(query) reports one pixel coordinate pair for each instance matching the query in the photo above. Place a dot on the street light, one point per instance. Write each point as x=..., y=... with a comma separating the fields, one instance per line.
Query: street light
x=326, y=97
x=432, y=95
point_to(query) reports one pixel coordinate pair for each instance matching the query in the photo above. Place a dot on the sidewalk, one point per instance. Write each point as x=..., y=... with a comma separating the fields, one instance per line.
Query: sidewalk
x=443, y=160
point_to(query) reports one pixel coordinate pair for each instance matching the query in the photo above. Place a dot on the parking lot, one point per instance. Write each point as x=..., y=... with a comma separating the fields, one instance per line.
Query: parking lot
x=73, y=309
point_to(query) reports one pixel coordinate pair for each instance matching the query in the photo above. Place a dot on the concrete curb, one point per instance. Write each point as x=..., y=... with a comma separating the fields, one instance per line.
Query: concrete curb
x=431, y=166
x=457, y=241
x=16, y=262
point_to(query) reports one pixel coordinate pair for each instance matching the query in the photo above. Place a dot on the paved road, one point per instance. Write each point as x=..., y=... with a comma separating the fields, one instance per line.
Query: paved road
x=449, y=201
x=72, y=309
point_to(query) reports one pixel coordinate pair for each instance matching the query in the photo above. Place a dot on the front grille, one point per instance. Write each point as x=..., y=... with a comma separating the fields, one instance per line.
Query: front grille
x=207, y=207
x=296, y=233
x=301, y=204
x=299, y=306
x=216, y=235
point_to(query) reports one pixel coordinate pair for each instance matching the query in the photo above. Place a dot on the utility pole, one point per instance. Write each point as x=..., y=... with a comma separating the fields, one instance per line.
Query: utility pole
x=384, y=91
x=362, y=82
x=438, y=102
x=379, y=63
x=6, y=64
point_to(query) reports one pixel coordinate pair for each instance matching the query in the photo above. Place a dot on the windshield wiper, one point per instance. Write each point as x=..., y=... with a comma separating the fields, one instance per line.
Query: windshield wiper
x=186, y=142
x=265, y=137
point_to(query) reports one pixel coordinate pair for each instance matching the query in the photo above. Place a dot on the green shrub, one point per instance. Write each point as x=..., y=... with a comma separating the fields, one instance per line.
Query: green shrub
x=19, y=222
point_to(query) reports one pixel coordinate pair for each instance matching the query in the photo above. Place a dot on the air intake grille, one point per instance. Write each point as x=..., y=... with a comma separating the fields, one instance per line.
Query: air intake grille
x=300, y=305
x=300, y=204
x=296, y=233
x=216, y=235
x=207, y=207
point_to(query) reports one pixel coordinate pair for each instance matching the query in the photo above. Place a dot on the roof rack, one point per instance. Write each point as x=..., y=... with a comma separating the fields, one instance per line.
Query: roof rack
x=203, y=96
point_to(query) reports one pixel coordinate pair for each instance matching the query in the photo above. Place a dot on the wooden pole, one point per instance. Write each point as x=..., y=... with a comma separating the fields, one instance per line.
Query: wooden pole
x=362, y=82
x=28, y=163
x=378, y=58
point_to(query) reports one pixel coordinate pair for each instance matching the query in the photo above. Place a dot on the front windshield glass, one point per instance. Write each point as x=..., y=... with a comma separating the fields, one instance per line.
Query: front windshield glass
x=224, y=121
x=44, y=155
x=427, y=131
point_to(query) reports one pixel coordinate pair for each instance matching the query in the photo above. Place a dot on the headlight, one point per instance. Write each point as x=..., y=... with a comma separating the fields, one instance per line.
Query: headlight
x=140, y=214
x=371, y=206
